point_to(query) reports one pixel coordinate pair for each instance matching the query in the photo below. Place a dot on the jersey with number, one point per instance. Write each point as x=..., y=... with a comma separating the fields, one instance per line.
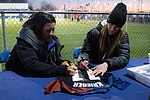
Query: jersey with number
x=85, y=83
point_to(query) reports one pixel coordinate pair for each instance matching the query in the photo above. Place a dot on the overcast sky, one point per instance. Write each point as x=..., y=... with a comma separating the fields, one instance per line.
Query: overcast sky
x=129, y=3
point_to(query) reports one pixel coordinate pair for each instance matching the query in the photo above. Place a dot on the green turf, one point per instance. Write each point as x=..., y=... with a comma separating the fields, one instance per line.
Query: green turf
x=71, y=34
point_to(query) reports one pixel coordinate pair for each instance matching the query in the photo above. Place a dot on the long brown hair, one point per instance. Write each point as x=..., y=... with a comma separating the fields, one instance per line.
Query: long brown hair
x=107, y=48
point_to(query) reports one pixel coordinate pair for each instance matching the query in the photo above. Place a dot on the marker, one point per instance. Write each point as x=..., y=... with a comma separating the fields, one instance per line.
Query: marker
x=86, y=62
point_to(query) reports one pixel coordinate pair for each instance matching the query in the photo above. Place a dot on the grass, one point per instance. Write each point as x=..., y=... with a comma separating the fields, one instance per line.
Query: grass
x=72, y=34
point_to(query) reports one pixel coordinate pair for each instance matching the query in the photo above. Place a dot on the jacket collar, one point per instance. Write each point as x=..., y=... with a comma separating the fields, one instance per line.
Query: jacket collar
x=101, y=24
x=28, y=35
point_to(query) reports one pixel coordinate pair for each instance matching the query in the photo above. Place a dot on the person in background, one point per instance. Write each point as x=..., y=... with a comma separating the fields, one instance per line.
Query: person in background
x=20, y=18
x=78, y=16
x=37, y=50
x=107, y=45
x=72, y=17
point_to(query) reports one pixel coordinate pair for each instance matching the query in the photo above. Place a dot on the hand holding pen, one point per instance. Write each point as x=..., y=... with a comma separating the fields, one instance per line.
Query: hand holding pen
x=71, y=68
x=84, y=64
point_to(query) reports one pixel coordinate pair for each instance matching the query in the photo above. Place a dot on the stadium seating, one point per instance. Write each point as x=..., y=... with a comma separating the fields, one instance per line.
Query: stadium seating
x=76, y=53
x=4, y=57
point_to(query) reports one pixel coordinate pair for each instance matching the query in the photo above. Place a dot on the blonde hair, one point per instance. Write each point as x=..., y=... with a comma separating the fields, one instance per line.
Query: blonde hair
x=107, y=49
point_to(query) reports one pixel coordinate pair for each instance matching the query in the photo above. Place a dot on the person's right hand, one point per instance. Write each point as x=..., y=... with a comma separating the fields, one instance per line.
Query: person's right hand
x=84, y=64
x=71, y=69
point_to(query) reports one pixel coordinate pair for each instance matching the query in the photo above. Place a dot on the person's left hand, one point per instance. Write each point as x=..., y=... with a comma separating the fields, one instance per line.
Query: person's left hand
x=100, y=69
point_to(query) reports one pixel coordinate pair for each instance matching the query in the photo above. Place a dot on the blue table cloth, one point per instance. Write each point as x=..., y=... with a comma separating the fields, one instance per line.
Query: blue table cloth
x=15, y=87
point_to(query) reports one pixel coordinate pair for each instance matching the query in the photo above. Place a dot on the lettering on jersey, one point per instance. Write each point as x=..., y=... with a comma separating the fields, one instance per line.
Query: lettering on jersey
x=80, y=84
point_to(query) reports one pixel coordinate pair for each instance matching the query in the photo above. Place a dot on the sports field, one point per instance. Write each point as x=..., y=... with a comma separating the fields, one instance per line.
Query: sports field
x=71, y=34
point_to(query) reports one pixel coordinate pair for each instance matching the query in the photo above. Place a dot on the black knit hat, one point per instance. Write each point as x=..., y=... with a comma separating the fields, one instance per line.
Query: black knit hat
x=118, y=15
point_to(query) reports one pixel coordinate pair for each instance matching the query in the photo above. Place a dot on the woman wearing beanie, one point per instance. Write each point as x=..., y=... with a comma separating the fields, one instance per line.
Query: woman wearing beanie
x=107, y=45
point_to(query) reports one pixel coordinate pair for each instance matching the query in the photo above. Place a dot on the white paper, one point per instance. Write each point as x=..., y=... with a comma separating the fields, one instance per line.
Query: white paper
x=91, y=77
x=76, y=77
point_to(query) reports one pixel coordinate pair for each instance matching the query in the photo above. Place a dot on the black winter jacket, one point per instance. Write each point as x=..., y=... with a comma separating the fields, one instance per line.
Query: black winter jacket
x=32, y=57
x=90, y=50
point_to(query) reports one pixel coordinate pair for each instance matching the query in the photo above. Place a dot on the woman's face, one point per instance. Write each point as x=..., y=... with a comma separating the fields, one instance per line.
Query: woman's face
x=48, y=31
x=112, y=29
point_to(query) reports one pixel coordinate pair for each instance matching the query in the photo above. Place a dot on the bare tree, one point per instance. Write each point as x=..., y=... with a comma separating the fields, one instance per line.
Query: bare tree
x=13, y=1
x=47, y=6
x=30, y=7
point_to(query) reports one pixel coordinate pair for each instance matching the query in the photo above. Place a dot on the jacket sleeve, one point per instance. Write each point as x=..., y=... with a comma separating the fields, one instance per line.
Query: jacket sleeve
x=122, y=56
x=29, y=59
x=87, y=45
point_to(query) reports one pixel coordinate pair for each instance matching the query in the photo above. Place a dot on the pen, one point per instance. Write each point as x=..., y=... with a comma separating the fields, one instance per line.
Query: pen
x=86, y=64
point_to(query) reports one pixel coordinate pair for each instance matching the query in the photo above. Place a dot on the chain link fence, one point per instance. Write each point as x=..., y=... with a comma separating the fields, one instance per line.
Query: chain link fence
x=71, y=28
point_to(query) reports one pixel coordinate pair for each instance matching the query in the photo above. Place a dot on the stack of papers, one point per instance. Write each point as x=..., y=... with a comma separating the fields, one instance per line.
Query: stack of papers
x=140, y=73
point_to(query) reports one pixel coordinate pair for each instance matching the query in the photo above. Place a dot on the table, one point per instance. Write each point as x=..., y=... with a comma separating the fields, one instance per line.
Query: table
x=15, y=87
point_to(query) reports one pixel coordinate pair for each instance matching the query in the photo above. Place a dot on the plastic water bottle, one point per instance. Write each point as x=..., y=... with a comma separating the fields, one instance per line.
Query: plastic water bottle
x=0, y=67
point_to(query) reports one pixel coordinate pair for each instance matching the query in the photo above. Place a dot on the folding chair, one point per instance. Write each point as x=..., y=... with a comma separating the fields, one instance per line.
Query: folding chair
x=76, y=53
x=4, y=57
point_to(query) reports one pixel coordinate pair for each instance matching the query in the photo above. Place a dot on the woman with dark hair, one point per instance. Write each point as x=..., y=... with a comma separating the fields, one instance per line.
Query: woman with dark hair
x=37, y=50
x=107, y=45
